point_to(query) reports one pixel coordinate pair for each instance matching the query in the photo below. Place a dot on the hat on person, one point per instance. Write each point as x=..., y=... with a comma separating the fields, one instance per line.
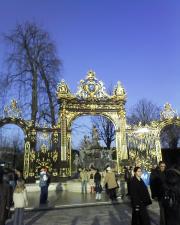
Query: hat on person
x=108, y=168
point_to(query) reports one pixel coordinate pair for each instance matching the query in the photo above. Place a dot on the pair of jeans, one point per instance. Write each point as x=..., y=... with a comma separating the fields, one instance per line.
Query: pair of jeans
x=84, y=186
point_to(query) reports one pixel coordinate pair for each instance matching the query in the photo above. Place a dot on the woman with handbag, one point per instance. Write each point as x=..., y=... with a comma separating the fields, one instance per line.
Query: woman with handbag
x=140, y=199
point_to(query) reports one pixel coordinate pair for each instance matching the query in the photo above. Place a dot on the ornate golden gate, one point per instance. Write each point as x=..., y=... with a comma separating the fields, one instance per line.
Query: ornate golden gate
x=139, y=144
x=35, y=156
x=143, y=142
x=91, y=99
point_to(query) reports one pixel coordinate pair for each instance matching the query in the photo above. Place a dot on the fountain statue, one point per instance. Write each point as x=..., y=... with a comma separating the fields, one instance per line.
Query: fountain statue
x=95, y=137
x=92, y=153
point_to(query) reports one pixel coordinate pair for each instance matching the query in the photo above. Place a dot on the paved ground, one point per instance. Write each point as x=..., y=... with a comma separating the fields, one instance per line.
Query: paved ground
x=77, y=209
x=119, y=214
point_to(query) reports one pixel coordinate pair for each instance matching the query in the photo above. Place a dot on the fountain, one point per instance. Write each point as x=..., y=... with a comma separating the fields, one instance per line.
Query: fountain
x=92, y=154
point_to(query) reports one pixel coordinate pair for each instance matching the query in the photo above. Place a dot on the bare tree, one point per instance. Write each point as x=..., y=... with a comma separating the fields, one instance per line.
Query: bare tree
x=32, y=58
x=105, y=129
x=144, y=111
x=105, y=126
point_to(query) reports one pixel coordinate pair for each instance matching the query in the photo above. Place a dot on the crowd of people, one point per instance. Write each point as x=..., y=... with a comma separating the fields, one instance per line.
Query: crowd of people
x=161, y=185
x=164, y=188
x=98, y=180
x=13, y=193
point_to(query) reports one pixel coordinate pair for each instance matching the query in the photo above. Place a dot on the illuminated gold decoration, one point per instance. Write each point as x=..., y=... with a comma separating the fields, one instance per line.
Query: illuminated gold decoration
x=143, y=146
x=26, y=160
x=13, y=110
x=143, y=142
x=119, y=91
x=168, y=112
x=63, y=90
x=91, y=88
x=91, y=99
x=138, y=144
x=55, y=137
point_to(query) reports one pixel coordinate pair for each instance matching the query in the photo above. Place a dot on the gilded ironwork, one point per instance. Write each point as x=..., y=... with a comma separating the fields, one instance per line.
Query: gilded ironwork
x=51, y=146
x=91, y=88
x=13, y=110
x=168, y=112
x=92, y=99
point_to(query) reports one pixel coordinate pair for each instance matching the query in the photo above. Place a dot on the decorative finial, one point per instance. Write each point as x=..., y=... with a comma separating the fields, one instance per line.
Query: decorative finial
x=91, y=75
x=168, y=112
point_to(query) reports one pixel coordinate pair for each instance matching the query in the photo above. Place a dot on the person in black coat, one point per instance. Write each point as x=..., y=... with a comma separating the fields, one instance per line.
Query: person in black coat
x=171, y=198
x=4, y=199
x=157, y=181
x=140, y=199
x=98, y=187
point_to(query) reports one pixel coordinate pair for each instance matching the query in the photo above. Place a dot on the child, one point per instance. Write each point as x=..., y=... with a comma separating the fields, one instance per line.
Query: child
x=20, y=202
x=91, y=181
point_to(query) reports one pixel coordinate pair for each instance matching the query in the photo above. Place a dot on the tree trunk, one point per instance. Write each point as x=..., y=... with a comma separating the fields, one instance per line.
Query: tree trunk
x=51, y=105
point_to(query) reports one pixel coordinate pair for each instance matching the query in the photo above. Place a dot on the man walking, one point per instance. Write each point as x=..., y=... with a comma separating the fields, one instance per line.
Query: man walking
x=157, y=181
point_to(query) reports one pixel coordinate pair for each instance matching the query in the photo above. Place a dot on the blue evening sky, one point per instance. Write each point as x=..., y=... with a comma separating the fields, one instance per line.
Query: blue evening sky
x=134, y=41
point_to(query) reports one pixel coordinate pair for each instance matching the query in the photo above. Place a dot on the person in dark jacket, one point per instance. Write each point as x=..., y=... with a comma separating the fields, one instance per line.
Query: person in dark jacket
x=157, y=181
x=171, y=198
x=4, y=199
x=98, y=187
x=140, y=199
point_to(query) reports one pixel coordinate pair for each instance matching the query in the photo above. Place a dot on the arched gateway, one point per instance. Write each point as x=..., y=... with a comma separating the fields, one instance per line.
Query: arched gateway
x=91, y=99
x=51, y=146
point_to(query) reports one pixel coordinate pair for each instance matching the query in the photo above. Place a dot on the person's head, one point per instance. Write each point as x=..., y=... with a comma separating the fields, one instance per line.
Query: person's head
x=20, y=186
x=97, y=170
x=137, y=171
x=162, y=166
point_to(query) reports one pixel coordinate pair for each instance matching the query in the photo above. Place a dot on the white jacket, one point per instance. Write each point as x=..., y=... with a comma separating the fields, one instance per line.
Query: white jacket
x=20, y=199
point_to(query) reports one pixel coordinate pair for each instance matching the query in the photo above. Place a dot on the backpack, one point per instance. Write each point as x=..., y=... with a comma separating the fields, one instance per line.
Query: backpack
x=170, y=199
x=171, y=196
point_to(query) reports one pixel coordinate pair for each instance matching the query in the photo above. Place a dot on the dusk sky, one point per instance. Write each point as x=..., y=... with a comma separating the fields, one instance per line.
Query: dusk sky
x=134, y=41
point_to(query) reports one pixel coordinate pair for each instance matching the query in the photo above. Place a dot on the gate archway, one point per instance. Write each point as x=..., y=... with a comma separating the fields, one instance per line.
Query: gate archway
x=91, y=99
x=169, y=133
x=144, y=142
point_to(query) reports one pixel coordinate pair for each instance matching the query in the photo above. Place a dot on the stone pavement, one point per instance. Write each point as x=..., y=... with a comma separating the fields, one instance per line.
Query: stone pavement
x=67, y=208
x=117, y=214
